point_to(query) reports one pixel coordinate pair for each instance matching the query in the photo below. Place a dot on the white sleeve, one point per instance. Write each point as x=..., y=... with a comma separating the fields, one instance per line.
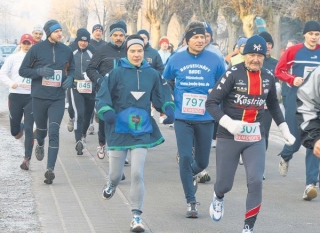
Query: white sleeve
x=5, y=71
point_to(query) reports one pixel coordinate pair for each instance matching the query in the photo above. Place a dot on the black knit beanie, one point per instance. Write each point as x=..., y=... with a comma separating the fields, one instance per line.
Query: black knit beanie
x=267, y=37
x=83, y=34
x=311, y=26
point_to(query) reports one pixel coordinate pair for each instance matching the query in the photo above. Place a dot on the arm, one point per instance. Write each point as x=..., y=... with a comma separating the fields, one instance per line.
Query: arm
x=93, y=67
x=308, y=110
x=26, y=68
x=103, y=97
x=5, y=70
x=158, y=63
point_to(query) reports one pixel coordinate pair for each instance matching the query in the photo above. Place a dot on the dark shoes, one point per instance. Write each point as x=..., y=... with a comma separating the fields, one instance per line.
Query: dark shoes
x=25, y=164
x=49, y=175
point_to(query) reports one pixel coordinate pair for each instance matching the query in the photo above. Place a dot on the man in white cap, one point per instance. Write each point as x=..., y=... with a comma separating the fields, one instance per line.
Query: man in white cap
x=37, y=33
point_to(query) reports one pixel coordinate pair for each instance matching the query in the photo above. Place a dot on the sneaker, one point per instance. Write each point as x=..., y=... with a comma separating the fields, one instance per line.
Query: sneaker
x=126, y=163
x=192, y=211
x=49, y=175
x=66, y=106
x=70, y=125
x=123, y=177
x=25, y=164
x=39, y=152
x=216, y=208
x=310, y=192
x=101, y=152
x=171, y=125
x=108, y=191
x=195, y=184
x=240, y=160
x=203, y=177
x=161, y=119
x=79, y=147
x=283, y=167
x=20, y=134
x=84, y=141
x=214, y=143
x=263, y=177
x=247, y=229
x=153, y=110
x=91, y=130
x=136, y=224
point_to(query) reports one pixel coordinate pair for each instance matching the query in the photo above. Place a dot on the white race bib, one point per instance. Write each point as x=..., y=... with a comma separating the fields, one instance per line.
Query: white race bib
x=25, y=83
x=53, y=81
x=194, y=103
x=249, y=133
x=84, y=86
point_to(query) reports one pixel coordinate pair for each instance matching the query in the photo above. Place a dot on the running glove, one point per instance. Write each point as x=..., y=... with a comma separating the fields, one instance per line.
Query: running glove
x=288, y=137
x=170, y=115
x=45, y=71
x=233, y=126
x=67, y=83
x=110, y=117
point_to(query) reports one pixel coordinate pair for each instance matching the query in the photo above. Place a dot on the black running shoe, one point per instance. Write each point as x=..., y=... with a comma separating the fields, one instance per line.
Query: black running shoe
x=49, y=175
x=79, y=147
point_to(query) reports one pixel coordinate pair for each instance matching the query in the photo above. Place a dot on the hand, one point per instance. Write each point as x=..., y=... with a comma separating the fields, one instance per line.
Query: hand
x=110, y=117
x=316, y=149
x=298, y=81
x=288, y=137
x=67, y=83
x=233, y=126
x=170, y=115
x=14, y=86
x=45, y=71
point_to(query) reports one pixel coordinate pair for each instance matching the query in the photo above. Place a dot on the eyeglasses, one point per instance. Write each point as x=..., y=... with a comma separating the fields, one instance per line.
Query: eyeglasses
x=26, y=43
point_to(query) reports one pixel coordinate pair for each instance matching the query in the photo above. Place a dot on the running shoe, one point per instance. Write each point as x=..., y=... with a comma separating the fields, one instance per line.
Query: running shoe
x=161, y=119
x=123, y=177
x=25, y=164
x=214, y=143
x=49, y=175
x=216, y=209
x=192, y=211
x=84, y=141
x=240, y=160
x=79, y=147
x=101, y=151
x=70, y=125
x=247, y=229
x=195, y=184
x=171, y=125
x=20, y=134
x=136, y=224
x=283, y=167
x=91, y=129
x=203, y=177
x=108, y=191
x=39, y=152
x=310, y=192
x=126, y=162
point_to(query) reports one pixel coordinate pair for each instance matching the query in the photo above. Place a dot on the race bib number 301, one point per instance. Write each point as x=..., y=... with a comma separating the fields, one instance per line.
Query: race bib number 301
x=194, y=103
x=84, y=86
x=249, y=133
x=53, y=81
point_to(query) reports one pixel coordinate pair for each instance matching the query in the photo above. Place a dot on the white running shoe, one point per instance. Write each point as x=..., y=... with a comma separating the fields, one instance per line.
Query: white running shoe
x=84, y=141
x=91, y=129
x=136, y=224
x=70, y=125
x=283, y=167
x=203, y=177
x=240, y=160
x=214, y=143
x=310, y=192
x=101, y=151
x=247, y=229
x=161, y=119
x=216, y=209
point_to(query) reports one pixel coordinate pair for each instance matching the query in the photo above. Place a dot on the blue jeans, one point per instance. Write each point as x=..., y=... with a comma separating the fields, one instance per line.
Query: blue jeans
x=189, y=134
x=312, y=162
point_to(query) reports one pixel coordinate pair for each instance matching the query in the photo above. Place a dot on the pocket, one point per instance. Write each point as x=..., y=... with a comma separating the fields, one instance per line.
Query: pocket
x=135, y=121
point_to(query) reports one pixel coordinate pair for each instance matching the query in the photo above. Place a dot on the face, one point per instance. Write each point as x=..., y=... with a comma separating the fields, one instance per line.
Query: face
x=83, y=44
x=97, y=34
x=25, y=46
x=164, y=46
x=289, y=44
x=55, y=36
x=196, y=43
x=208, y=38
x=254, y=61
x=117, y=37
x=311, y=39
x=135, y=54
x=145, y=38
x=37, y=36
x=269, y=48
x=241, y=48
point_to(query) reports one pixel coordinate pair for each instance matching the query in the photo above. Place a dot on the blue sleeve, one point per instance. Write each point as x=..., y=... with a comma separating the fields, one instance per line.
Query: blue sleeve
x=168, y=72
x=103, y=97
x=26, y=68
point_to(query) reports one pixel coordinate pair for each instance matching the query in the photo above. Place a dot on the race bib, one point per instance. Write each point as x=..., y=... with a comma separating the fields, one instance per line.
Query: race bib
x=193, y=103
x=308, y=70
x=249, y=133
x=84, y=86
x=25, y=83
x=53, y=81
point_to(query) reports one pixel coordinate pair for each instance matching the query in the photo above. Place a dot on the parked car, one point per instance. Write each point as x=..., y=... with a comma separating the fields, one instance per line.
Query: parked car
x=7, y=49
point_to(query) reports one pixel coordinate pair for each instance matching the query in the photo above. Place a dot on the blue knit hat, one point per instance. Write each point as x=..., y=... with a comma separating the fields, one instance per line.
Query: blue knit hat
x=241, y=41
x=51, y=26
x=118, y=26
x=255, y=44
x=144, y=32
x=97, y=26
x=208, y=28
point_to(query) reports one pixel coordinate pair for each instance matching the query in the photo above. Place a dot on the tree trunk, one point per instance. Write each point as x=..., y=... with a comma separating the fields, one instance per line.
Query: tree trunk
x=232, y=36
x=164, y=28
x=248, y=25
x=276, y=35
x=155, y=35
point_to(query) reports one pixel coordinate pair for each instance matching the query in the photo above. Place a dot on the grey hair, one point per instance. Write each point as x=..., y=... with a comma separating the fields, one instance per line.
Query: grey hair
x=193, y=25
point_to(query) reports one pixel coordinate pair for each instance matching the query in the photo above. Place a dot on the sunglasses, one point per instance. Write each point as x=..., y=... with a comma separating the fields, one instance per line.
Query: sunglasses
x=26, y=43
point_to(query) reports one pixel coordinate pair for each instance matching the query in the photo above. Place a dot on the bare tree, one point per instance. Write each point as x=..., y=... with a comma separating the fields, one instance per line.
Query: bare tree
x=132, y=7
x=306, y=10
x=184, y=14
x=158, y=14
x=84, y=6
